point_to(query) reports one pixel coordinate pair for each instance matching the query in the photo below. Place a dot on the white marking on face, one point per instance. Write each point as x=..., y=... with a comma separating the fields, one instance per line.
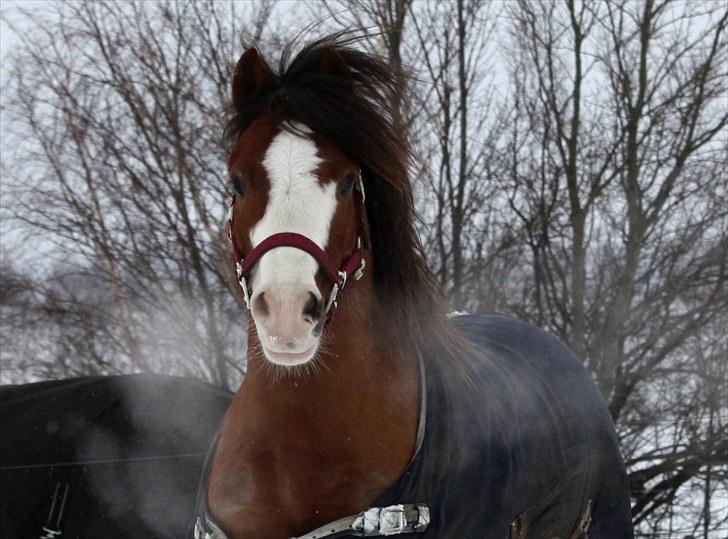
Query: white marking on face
x=297, y=202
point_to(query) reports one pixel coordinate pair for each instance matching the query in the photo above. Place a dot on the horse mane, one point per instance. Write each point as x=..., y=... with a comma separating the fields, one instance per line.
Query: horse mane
x=356, y=113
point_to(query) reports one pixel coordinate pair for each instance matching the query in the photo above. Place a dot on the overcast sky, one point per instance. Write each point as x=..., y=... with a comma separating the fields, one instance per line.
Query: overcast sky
x=10, y=18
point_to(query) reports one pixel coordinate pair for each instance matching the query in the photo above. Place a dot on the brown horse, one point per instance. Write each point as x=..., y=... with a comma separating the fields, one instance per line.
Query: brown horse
x=330, y=419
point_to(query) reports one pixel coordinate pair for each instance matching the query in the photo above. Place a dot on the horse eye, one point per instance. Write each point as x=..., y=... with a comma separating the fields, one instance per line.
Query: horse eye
x=238, y=186
x=347, y=185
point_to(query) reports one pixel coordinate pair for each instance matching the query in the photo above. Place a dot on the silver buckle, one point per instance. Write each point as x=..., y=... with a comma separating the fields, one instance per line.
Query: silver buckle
x=332, y=297
x=246, y=294
x=335, y=291
x=423, y=518
x=243, y=283
x=392, y=520
x=199, y=532
x=359, y=273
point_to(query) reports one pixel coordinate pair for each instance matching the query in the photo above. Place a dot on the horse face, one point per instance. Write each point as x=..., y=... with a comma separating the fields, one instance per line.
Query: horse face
x=291, y=181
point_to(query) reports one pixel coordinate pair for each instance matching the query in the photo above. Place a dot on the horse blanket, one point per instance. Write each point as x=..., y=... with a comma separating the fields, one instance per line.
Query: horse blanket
x=104, y=457
x=519, y=445
x=523, y=437
x=527, y=448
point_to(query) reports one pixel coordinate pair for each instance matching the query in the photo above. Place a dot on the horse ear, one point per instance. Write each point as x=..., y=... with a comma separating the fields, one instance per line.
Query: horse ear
x=334, y=64
x=251, y=77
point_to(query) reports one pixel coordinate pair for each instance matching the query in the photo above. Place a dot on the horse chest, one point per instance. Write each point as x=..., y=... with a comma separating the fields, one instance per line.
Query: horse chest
x=302, y=468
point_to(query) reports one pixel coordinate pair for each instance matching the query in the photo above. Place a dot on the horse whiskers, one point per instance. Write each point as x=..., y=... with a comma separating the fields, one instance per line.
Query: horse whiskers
x=276, y=372
x=318, y=365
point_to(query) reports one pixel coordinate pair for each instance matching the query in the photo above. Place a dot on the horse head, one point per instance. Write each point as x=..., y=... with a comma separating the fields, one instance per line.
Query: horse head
x=297, y=222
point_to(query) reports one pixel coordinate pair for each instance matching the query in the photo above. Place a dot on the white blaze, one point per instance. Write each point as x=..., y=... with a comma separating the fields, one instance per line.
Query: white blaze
x=297, y=202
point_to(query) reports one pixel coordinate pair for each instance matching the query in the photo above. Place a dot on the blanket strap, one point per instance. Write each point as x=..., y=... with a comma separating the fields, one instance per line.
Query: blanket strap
x=582, y=528
x=207, y=529
x=376, y=521
x=519, y=527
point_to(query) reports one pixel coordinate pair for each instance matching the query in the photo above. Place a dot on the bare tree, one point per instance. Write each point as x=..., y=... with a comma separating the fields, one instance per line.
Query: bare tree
x=122, y=108
x=616, y=172
x=443, y=52
x=456, y=121
x=572, y=172
x=56, y=327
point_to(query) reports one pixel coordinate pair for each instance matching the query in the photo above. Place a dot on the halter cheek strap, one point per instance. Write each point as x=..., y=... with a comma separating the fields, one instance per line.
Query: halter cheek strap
x=353, y=265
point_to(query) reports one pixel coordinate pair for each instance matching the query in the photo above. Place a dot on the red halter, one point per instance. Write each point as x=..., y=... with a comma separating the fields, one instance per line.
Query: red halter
x=353, y=265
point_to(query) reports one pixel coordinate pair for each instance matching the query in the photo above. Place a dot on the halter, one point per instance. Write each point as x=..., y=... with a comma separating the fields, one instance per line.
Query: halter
x=353, y=265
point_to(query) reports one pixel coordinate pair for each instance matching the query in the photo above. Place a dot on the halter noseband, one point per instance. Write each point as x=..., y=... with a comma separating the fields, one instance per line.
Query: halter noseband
x=353, y=265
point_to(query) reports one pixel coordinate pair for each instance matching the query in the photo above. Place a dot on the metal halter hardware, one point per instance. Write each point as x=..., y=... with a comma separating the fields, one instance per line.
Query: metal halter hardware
x=352, y=266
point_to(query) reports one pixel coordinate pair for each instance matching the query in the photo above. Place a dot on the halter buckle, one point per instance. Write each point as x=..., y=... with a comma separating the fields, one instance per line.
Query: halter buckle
x=246, y=293
x=243, y=283
x=332, y=296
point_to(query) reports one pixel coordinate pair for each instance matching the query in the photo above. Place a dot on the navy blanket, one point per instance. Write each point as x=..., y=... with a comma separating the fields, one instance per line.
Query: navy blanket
x=105, y=457
x=533, y=437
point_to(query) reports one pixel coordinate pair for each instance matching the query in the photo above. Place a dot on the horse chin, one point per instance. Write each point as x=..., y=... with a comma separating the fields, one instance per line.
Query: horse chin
x=291, y=359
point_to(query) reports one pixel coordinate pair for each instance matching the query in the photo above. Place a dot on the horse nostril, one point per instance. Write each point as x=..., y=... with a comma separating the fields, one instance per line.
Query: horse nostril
x=260, y=305
x=311, y=308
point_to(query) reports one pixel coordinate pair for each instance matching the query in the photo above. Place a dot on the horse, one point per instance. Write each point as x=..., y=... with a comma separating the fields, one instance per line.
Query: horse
x=116, y=457
x=366, y=410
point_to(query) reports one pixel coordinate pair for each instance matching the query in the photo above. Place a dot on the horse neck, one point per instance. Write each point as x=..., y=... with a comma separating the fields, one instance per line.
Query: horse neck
x=313, y=446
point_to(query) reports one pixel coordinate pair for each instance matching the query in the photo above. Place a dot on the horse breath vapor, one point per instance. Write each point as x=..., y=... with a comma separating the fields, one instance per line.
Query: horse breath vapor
x=121, y=458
